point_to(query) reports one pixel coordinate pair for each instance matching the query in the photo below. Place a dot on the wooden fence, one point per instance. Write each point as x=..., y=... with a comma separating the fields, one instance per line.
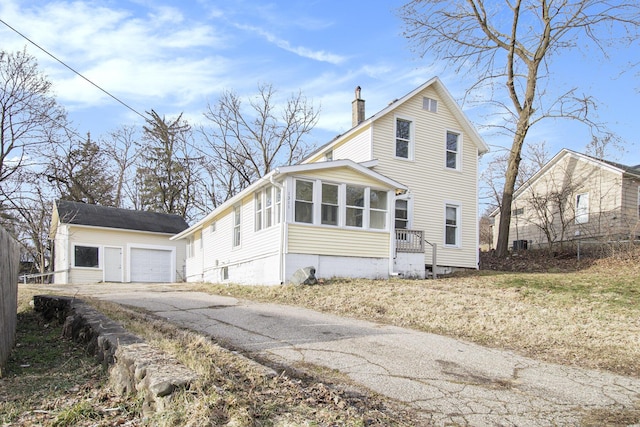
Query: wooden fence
x=9, y=266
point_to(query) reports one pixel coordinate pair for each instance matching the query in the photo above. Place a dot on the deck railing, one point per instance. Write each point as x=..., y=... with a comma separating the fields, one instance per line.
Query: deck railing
x=409, y=240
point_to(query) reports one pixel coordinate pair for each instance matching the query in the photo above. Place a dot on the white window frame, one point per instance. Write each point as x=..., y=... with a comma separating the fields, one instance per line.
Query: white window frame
x=363, y=209
x=86, y=245
x=278, y=204
x=312, y=202
x=237, y=226
x=458, y=151
x=430, y=104
x=410, y=141
x=336, y=205
x=384, y=210
x=457, y=225
x=582, y=212
x=408, y=219
x=259, y=210
x=190, y=249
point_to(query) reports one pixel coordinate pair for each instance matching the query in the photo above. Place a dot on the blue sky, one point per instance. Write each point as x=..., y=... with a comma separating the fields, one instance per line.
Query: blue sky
x=177, y=56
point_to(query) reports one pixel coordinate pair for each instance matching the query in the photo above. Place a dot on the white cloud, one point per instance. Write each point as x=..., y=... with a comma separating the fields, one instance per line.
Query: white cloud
x=317, y=55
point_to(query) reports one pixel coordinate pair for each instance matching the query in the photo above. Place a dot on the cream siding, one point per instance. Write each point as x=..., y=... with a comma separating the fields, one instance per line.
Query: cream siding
x=343, y=175
x=304, y=239
x=431, y=184
x=358, y=149
x=125, y=239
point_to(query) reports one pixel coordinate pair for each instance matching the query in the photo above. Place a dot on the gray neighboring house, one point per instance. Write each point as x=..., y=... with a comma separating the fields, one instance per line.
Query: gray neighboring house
x=94, y=244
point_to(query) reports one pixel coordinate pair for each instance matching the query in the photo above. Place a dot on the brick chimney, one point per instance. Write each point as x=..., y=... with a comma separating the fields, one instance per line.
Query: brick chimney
x=357, y=109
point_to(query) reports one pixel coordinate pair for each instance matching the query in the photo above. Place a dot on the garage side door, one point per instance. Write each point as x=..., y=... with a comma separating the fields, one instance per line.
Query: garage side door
x=150, y=265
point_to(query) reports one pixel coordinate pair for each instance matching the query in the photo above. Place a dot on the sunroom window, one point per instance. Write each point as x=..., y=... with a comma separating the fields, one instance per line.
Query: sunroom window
x=355, y=206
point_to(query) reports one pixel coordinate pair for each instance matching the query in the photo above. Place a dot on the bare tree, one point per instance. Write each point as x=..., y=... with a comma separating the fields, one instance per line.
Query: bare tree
x=602, y=147
x=81, y=172
x=120, y=148
x=535, y=156
x=511, y=45
x=28, y=113
x=248, y=143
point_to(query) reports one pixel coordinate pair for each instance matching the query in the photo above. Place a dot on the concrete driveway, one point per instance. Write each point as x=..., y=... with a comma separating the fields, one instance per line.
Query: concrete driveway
x=449, y=381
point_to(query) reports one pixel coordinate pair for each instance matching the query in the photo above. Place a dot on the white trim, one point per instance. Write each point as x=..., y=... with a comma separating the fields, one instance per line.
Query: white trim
x=72, y=262
x=458, y=151
x=458, y=207
x=411, y=140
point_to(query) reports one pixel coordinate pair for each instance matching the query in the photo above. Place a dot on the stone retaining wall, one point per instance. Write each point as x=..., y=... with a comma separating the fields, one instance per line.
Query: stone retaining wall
x=133, y=365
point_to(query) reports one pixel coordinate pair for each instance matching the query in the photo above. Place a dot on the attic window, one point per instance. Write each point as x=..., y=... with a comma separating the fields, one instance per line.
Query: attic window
x=328, y=156
x=430, y=104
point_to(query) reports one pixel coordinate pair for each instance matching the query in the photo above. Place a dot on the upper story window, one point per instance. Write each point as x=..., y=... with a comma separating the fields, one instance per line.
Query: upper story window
x=329, y=208
x=582, y=208
x=304, y=201
x=378, y=209
x=452, y=225
x=518, y=211
x=453, y=150
x=85, y=256
x=355, y=206
x=430, y=104
x=237, y=217
x=404, y=138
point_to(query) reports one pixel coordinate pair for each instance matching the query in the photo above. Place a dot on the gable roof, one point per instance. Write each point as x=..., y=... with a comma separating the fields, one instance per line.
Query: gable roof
x=448, y=100
x=292, y=170
x=78, y=213
x=633, y=171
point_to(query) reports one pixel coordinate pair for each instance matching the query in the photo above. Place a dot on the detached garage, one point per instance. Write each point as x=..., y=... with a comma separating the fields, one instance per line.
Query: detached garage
x=95, y=244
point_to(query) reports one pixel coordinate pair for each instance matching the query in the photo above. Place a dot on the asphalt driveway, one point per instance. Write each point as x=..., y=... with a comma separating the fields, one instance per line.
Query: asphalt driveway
x=449, y=381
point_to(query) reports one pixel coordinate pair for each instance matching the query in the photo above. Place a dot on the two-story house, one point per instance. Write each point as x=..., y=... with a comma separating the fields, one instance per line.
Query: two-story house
x=371, y=203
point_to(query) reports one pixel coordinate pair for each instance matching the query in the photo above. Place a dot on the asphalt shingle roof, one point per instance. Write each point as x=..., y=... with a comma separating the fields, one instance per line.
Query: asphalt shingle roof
x=104, y=216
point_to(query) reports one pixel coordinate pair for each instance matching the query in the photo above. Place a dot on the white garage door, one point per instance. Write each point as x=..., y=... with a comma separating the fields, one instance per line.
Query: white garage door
x=150, y=265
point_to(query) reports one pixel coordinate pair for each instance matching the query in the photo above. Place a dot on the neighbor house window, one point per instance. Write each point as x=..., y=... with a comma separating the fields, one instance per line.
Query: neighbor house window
x=430, y=104
x=304, y=201
x=225, y=273
x=451, y=225
x=378, y=209
x=258, y=203
x=518, y=211
x=329, y=209
x=402, y=214
x=403, y=138
x=85, y=256
x=236, y=225
x=452, y=150
x=582, y=208
x=355, y=206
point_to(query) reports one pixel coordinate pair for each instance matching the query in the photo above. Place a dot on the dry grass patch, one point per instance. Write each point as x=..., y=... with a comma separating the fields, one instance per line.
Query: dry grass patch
x=235, y=391
x=588, y=318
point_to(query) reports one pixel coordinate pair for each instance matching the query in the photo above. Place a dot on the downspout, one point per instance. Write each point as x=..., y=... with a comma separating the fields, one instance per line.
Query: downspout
x=282, y=227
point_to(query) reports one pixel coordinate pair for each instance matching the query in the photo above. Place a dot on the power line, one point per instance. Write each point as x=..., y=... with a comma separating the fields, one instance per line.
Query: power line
x=74, y=71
